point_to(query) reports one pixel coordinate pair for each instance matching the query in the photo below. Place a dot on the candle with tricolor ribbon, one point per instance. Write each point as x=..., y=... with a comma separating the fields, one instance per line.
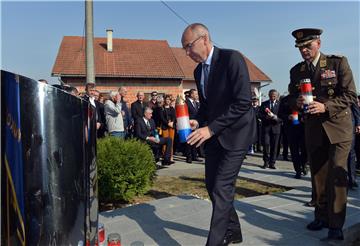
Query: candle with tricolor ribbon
x=182, y=119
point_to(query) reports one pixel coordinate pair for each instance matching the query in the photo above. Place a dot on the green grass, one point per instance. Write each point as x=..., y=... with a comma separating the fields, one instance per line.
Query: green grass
x=165, y=186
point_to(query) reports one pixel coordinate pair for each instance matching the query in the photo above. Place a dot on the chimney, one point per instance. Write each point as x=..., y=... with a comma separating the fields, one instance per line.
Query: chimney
x=109, y=33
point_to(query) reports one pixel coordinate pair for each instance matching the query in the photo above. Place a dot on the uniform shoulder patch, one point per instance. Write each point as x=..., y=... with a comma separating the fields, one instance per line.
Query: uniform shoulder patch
x=335, y=56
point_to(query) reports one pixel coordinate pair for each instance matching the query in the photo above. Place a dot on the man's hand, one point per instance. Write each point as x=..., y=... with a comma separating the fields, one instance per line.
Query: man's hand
x=199, y=136
x=152, y=139
x=357, y=129
x=194, y=124
x=316, y=107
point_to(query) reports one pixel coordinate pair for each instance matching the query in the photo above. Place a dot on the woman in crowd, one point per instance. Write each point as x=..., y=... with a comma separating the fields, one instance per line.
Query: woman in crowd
x=168, y=122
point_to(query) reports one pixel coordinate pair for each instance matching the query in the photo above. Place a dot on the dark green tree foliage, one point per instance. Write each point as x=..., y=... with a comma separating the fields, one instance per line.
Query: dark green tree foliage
x=126, y=168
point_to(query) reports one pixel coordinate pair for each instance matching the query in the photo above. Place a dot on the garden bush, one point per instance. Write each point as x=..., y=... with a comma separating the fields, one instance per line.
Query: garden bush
x=126, y=168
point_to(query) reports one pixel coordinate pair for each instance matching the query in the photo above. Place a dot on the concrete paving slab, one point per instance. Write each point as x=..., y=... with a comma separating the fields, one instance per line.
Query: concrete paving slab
x=277, y=219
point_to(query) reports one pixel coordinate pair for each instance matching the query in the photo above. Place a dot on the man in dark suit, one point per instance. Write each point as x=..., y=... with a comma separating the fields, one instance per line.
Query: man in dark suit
x=328, y=127
x=193, y=107
x=145, y=130
x=270, y=128
x=137, y=107
x=227, y=124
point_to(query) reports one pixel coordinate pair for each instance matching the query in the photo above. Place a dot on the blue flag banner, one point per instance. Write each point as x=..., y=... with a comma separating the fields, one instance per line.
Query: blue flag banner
x=12, y=160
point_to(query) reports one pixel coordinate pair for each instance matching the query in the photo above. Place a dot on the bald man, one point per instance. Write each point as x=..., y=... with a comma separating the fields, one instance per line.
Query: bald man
x=227, y=126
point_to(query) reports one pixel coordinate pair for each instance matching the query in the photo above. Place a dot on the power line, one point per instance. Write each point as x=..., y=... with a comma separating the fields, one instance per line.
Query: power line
x=175, y=13
x=183, y=19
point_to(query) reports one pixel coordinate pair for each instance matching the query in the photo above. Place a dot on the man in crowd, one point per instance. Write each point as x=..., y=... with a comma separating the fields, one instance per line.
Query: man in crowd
x=193, y=107
x=128, y=121
x=137, y=107
x=271, y=127
x=90, y=91
x=152, y=103
x=145, y=130
x=227, y=124
x=294, y=131
x=328, y=127
x=114, y=115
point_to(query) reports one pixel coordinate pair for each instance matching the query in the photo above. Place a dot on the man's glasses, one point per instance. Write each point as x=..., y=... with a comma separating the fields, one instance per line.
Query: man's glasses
x=190, y=45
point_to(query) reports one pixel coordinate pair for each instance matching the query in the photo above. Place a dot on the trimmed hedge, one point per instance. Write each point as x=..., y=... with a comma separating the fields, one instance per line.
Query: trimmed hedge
x=126, y=168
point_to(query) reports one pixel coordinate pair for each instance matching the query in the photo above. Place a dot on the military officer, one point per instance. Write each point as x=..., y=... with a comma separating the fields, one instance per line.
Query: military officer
x=328, y=127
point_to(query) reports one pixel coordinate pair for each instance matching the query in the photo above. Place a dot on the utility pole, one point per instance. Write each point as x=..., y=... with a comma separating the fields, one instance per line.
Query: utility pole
x=89, y=33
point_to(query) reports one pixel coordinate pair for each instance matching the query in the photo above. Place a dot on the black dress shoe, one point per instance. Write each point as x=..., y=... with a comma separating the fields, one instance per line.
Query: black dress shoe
x=297, y=176
x=188, y=160
x=335, y=234
x=272, y=167
x=232, y=237
x=166, y=163
x=265, y=166
x=316, y=225
x=310, y=204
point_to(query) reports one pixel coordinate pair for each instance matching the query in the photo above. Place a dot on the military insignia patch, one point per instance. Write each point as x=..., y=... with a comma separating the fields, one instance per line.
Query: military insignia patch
x=328, y=74
x=323, y=63
x=331, y=92
x=299, y=35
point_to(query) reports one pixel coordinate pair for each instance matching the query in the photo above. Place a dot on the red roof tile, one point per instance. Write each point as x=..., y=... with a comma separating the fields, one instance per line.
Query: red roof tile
x=188, y=66
x=129, y=58
x=186, y=63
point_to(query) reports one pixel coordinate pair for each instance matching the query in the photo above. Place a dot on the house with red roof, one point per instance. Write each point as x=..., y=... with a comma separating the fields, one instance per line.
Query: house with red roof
x=140, y=65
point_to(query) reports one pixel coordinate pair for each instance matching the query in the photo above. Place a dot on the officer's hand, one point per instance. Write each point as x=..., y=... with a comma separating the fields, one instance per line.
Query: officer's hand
x=300, y=102
x=199, y=136
x=316, y=107
x=357, y=129
x=194, y=124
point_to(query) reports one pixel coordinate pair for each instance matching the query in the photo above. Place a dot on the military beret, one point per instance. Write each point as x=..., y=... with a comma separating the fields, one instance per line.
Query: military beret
x=304, y=36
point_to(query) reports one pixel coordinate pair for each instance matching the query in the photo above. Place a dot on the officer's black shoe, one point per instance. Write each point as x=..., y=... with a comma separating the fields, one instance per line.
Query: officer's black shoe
x=335, y=234
x=232, y=237
x=316, y=225
x=188, y=160
x=265, y=166
x=297, y=176
x=310, y=204
x=272, y=167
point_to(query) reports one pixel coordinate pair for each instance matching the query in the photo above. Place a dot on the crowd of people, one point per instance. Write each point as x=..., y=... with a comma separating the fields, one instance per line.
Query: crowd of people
x=323, y=133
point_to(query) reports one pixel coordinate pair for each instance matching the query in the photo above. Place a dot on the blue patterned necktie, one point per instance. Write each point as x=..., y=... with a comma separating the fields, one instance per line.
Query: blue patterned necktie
x=206, y=76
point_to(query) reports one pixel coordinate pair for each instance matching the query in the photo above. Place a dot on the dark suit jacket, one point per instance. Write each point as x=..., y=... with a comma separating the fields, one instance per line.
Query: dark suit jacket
x=142, y=131
x=227, y=109
x=193, y=111
x=137, y=110
x=270, y=124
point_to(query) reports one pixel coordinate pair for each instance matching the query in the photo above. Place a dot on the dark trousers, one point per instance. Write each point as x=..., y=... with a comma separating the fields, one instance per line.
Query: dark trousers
x=296, y=140
x=328, y=165
x=190, y=152
x=352, y=163
x=357, y=150
x=221, y=170
x=270, y=147
x=156, y=148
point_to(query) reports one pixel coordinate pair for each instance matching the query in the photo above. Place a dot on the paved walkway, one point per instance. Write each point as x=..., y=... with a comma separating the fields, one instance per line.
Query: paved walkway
x=277, y=219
